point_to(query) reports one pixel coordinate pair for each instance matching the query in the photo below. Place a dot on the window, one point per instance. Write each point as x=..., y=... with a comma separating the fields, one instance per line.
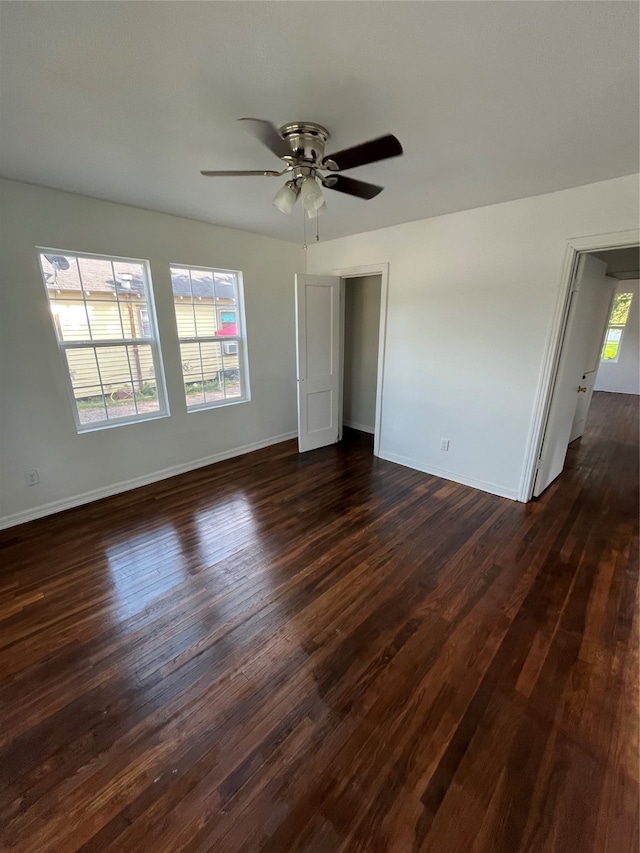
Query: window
x=617, y=321
x=102, y=312
x=208, y=305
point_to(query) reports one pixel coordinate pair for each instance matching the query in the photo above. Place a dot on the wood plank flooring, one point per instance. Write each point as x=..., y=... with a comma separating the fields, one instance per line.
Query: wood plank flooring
x=328, y=653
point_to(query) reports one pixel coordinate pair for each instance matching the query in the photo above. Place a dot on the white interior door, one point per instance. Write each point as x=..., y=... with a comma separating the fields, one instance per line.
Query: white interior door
x=319, y=368
x=588, y=314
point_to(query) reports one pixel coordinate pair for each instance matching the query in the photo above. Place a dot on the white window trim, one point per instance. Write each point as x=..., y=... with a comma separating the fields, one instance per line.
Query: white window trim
x=240, y=339
x=153, y=342
x=621, y=326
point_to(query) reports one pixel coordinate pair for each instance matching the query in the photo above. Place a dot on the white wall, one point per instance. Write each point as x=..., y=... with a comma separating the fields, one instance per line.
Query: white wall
x=623, y=375
x=361, y=330
x=470, y=307
x=36, y=424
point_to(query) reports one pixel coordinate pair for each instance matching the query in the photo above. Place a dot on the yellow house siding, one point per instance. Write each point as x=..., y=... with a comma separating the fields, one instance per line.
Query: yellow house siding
x=103, y=317
x=117, y=367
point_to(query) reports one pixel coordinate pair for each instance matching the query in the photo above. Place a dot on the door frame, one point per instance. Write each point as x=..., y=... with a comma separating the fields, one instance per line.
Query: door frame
x=359, y=272
x=574, y=247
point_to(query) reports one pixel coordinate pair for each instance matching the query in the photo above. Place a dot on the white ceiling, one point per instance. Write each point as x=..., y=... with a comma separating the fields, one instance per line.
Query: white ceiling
x=491, y=100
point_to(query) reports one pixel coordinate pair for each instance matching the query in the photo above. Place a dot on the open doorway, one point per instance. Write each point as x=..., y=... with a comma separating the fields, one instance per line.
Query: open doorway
x=320, y=303
x=601, y=312
x=361, y=327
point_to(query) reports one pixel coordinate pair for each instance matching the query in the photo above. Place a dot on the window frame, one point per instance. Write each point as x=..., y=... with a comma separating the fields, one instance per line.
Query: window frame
x=240, y=338
x=620, y=326
x=153, y=341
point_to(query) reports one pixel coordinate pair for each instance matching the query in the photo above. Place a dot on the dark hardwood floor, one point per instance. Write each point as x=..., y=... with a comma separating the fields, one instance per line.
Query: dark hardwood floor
x=328, y=653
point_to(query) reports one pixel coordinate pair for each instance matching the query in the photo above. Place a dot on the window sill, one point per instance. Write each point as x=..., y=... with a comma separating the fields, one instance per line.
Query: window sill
x=205, y=407
x=102, y=425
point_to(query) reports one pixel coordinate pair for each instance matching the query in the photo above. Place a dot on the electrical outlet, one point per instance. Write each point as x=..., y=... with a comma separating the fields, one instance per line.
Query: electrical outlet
x=444, y=444
x=32, y=478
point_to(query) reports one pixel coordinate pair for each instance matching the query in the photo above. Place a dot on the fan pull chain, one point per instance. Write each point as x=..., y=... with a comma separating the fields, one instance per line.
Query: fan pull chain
x=304, y=228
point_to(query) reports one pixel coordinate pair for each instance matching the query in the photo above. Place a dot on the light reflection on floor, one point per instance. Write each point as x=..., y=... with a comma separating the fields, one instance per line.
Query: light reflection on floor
x=145, y=566
x=217, y=545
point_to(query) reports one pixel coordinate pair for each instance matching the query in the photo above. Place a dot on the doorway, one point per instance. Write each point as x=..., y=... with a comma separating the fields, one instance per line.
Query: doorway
x=360, y=349
x=593, y=292
x=320, y=302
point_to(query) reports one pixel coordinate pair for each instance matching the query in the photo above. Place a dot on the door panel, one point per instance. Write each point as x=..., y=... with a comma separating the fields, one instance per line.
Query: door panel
x=584, y=401
x=588, y=314
x=318, y=354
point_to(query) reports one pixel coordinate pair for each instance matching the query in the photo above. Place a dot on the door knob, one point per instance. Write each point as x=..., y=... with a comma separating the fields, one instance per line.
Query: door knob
x=582, y=388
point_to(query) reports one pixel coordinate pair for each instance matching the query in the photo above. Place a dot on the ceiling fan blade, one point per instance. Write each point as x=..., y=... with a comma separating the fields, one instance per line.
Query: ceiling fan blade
x=350, y=186
x=210, y=174
x=368, y=152
x=268, y=134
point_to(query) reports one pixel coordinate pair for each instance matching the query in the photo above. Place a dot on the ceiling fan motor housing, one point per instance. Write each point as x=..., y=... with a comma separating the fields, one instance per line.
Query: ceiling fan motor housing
x=307, y=141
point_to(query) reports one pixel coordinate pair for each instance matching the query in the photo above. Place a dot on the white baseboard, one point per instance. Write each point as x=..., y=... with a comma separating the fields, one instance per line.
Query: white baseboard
x=136, y=482
x=492, y=488
x=359, y=427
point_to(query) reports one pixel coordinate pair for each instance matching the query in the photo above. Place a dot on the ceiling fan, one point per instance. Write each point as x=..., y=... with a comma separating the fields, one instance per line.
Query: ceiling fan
x=301, y=145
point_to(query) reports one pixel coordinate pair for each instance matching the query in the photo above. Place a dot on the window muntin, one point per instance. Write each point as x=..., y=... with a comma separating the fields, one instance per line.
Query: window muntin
x=615, y=328
x=209, y=317
x=102, y=311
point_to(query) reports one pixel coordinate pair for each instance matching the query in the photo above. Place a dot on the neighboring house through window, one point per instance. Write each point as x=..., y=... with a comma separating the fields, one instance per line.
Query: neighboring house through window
x=209, y=317
x=615, y=328
x=103, y=315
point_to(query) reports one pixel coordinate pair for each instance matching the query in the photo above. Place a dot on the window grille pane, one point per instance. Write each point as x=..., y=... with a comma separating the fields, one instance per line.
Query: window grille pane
x=204, y=311
x=231, y=376
x=190, y=356
x=60, y=272
x=129, y=318
x=115, y=374
x=147, y=399
x=611, y=343
x=181, y=283
x=211, y=357
x=104, y=320
x=96, y=276
x=92, y=409
x=84, y=373
x=225, y=287
x=70, y=320
x=128, y=279
x=121, y=403
x=620, y=310
x=144, y=326
x=227, y=318
x=202, y=284
x=185, y=318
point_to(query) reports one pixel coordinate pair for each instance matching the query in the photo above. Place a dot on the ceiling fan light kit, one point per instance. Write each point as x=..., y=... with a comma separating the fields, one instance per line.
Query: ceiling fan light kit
x=314, y=212
x=311, y=194
x=286, y=197
x=301, y=146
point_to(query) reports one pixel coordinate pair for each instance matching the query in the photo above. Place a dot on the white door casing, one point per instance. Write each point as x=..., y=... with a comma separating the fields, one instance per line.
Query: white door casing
x=573, y=250
x=318, y=357
x=588, y=313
